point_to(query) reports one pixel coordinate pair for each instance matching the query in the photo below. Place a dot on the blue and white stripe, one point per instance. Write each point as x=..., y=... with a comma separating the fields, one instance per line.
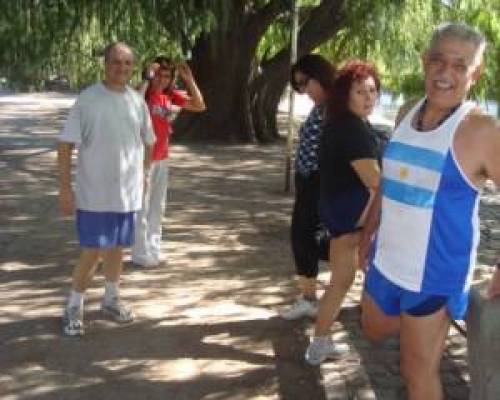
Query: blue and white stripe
x=429, y=226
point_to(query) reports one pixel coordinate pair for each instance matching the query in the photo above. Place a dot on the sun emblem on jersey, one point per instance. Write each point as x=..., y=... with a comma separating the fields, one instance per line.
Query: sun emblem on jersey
x=403, y=172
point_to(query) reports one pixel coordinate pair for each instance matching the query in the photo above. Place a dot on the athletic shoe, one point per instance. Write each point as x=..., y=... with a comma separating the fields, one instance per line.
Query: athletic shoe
x=117, y=311
x=145, y=262
x=72, y=321
x=301, y=308
x=324, y=348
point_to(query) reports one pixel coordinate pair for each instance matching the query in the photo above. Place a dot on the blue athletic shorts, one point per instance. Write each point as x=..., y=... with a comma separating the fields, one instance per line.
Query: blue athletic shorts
x=394, y=300
x=341, y=212
x=105, y=229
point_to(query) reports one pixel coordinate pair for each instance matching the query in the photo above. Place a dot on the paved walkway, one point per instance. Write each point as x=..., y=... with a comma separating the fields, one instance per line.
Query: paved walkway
x=207, y=325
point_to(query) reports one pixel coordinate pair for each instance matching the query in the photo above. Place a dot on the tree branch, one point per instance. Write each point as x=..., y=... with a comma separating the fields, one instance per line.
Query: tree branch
x=259, y=20
x=322, y=24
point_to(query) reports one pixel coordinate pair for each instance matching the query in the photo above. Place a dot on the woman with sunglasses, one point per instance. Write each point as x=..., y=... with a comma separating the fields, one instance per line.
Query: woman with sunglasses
x=164, y=101
x=314, y=76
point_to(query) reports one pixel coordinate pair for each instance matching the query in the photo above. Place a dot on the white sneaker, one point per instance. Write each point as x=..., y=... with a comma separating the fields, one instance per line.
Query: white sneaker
x=322, y=348
x=301, y=308
x=145, y=262
x=72, y=321
x=117, y=311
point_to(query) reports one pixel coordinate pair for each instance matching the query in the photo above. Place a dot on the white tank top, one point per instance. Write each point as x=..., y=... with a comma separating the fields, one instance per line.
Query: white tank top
x=429, y=229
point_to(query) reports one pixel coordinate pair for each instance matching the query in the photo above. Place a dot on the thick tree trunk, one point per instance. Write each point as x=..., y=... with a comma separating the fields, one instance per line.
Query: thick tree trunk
x=242, y=103
x=221, y=64
x=221, y=68
x=265, y=92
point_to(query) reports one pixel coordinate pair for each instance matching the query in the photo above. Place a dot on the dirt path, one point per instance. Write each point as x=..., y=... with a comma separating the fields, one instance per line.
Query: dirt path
x=207, y=325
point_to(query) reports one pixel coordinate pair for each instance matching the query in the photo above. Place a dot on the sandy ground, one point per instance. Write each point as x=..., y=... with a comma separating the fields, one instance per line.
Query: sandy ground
x=207, y=325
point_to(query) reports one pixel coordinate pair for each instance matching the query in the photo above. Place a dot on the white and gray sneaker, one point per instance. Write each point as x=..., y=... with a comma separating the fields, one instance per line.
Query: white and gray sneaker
x=145, y=262
x=72, y=321
x=323, y=348
x=300, y=309
x=117, y=311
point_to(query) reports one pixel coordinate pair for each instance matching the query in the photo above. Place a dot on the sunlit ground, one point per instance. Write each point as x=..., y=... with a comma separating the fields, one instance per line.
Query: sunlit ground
x=207, y=325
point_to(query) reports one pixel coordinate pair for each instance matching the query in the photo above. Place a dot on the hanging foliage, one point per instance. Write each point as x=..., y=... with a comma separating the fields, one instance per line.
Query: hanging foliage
x=240, y=48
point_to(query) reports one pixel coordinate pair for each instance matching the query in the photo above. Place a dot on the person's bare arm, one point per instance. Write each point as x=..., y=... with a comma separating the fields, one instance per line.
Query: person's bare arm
x=66, y=197
x=147, y=74
x=490, y=146
x=370, y=226
x=491, y=149
x=369, y=173
x=142, y=88
x=148, y=156
x=194, y=101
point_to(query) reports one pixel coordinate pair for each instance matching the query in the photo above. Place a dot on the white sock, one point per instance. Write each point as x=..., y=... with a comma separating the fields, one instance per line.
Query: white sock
x=111, y=292
x=75, y=299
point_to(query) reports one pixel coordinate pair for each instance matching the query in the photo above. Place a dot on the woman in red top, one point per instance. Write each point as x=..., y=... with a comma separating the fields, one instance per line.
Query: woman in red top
x=164, y=102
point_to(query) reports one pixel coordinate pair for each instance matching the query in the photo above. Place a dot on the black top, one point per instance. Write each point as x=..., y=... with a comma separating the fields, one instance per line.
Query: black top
x=345, y=139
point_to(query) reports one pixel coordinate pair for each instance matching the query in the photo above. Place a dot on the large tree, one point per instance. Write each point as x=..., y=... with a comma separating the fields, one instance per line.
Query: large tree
x=240, y=48
x=241, y=91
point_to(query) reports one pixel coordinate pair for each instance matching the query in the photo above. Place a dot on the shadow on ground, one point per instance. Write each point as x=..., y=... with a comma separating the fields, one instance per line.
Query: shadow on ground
x=207, y=325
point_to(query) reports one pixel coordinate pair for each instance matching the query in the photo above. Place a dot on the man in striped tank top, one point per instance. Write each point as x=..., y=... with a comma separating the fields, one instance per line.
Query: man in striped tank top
x=425, y=221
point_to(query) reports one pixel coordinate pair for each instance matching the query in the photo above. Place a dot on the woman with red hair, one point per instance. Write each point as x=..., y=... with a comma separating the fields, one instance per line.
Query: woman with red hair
x=349, y=175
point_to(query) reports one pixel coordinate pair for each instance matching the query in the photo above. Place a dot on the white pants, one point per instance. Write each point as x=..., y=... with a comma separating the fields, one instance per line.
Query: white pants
x=147, y=246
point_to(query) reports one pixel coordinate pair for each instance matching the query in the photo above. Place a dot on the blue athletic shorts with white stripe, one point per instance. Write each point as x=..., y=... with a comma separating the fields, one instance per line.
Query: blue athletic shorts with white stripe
x=105, y=229
x=394, y=300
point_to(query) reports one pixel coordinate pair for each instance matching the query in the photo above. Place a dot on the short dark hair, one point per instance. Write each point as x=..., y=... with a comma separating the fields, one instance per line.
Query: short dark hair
x=354, y=70
x=110, y=47
x=317, y=68
x=167, y=64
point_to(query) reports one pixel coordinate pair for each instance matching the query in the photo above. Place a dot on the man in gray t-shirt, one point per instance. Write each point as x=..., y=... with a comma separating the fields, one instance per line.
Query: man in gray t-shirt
x=111, y=128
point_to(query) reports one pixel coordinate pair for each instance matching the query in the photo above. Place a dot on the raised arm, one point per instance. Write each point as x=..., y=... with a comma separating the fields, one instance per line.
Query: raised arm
x=194, y=100
x=147, y=74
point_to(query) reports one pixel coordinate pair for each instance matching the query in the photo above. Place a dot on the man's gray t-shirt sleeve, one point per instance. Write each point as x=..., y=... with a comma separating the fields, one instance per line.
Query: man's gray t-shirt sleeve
x=72, y=130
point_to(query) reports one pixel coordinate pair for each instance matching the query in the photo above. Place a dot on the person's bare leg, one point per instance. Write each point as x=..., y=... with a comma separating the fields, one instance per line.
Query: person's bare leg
x=343, y=253
x=112, y=263
x=85, y=269
x=422, y=344
x=111, y=304
x=375, y=323
x=307, y=287
x=72, y=321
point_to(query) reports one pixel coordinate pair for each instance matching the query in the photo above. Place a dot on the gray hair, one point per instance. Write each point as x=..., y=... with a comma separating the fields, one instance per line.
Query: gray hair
x=110, y=47
x=461, y=32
